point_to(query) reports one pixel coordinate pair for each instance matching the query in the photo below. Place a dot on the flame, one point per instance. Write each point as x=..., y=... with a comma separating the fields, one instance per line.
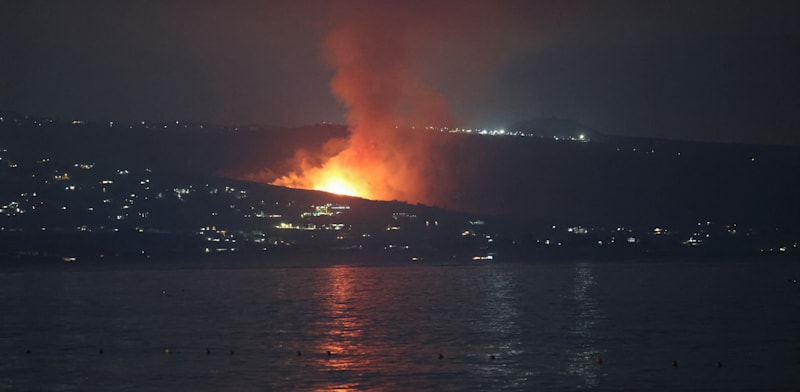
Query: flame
x=338, y=185
x=337, y=175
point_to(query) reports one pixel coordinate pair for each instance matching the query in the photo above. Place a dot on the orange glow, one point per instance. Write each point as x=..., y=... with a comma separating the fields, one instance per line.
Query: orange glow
x=335, y=176
x=339, y=186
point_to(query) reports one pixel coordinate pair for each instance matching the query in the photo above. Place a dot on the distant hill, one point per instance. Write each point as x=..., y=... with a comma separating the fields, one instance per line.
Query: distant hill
x=557, y=128
x=608, y=180
x=178, y=146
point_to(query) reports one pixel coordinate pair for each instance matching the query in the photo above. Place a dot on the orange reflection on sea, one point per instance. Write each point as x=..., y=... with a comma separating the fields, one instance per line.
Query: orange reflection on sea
x=344, y=355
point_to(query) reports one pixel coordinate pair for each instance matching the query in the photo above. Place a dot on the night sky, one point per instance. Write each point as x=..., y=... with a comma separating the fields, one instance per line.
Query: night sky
x=718, y=71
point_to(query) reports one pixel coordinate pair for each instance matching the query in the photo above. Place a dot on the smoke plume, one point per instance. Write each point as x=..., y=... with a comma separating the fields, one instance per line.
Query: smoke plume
x=378, y=51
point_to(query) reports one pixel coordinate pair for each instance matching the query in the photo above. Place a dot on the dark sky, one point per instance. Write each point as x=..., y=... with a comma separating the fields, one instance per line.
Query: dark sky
x=720, y=70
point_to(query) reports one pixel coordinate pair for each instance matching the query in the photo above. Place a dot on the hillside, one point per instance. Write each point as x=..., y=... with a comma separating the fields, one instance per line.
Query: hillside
x=607, y=179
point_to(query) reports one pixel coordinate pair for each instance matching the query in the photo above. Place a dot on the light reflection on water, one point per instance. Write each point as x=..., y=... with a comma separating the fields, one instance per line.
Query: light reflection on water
x=499, y=290
x=341, y=327
x=583, y=354
x=385, y=328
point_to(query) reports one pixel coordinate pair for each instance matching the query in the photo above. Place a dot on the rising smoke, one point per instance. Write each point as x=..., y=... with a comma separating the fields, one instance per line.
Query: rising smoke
x=378, y=51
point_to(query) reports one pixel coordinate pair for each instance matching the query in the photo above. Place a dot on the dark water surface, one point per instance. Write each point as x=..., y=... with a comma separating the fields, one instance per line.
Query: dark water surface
x=385, y=326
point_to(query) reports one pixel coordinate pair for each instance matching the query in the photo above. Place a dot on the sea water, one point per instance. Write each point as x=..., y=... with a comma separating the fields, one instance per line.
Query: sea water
x=557, y=326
